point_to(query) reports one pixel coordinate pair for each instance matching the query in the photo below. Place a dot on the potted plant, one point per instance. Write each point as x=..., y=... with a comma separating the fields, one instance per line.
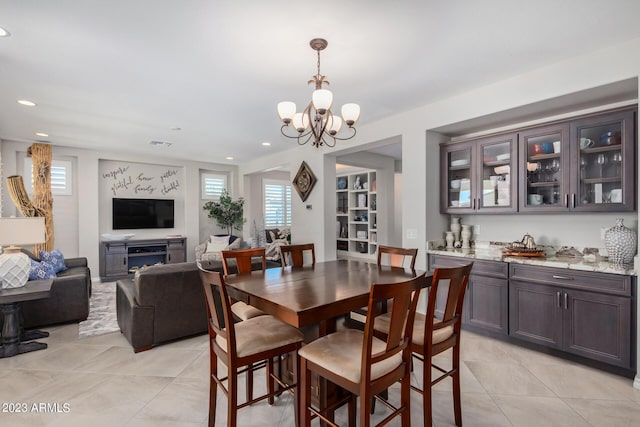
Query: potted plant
x=226, y=212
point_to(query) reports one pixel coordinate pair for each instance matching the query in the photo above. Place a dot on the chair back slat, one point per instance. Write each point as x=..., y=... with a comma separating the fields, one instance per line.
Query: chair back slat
x=457, y=278
x=243, y=258
x=295, y=253
x=218, y=307
x=403, y=297
x=396, y=257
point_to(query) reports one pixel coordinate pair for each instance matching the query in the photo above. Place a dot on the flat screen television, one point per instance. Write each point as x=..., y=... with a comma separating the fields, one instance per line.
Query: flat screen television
x=129, y=214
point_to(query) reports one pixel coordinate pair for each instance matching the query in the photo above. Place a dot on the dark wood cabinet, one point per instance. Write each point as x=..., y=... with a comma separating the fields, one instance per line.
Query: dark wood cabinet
x=119, y=258
x=486, y=301
x=588, y=314
x=479, y=176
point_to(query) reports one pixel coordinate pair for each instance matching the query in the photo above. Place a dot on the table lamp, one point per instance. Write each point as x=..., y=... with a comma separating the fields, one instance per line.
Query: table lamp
x=15, y=265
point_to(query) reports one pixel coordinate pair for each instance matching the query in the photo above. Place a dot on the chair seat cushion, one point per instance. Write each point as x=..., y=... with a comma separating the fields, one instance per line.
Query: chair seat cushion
x=260, y=334
x=382, y=324
x=245, y=311
x=341, y=353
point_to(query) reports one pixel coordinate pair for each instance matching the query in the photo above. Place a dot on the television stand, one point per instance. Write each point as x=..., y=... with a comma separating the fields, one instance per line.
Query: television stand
x=121, y=258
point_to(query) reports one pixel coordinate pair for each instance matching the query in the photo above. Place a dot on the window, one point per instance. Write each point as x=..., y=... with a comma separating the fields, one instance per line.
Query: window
x=277, y=203
x=61, y=177
x=212, y=185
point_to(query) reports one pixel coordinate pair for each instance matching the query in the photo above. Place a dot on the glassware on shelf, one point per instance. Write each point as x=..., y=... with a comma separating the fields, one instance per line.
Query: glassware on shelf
x=616, y=159
x=601, y=161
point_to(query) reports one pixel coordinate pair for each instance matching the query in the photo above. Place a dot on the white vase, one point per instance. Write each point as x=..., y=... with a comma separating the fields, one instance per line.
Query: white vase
x=450, y=239
x=466, y=236
x=455, y=227
x=620, y=242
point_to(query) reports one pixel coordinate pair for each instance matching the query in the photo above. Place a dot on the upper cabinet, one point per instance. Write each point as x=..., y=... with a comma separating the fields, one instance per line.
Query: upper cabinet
x=581, y=165
x=479, y=175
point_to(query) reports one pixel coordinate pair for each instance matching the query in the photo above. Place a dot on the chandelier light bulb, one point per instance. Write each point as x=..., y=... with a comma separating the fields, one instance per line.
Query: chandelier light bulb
x=286, y=110
x=322, y=100
x=334, y=124
x=299, y=122
x=350, y=113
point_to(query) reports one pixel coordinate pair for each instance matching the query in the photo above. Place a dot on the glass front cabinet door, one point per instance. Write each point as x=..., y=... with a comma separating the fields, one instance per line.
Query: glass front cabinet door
x=545, y=169
x=478, y=175
x=604, y=163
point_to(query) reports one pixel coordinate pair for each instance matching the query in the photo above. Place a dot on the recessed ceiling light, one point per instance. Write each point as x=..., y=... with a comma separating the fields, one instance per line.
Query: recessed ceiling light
x=175, y=128
x=266, y=144
x=27, y=103
x=229, y=158
x=42, y=134
x=4, y=33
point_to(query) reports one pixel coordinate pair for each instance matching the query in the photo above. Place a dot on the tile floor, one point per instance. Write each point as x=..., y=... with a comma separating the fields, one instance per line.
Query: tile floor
x=103, y=383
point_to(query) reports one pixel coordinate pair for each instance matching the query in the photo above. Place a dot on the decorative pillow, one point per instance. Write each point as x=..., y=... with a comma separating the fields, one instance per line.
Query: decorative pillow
x=216, y=247
x=41, y=271
x=234, y=244
x=219, y=239
x=54, y=258
x=271, y=234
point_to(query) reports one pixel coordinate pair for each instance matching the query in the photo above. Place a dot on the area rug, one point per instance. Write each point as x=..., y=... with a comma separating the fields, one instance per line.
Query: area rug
x=102, y=311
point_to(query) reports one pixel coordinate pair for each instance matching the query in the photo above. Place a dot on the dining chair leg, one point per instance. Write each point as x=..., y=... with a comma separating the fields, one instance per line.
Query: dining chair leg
x=305, y=395
x=213, y=389
x=249, y=382
x=365, y=410
x=232, y=398
x=455, y=377
x=405, y=400
x=426, y=391
x=353, y=410
x=270, y=381
x=298, y=389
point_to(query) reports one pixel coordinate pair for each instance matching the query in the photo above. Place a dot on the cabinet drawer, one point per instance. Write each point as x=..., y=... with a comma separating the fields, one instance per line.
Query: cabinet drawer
x=480, y=267
x=601, y=282
x=115, y=248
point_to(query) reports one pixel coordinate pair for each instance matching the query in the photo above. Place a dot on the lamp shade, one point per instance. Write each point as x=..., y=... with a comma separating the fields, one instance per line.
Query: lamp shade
x=286, y=110
x=14, y=265
x=300, y=122
x=350, y=113
x=21, y=231
x=334, y=125
x=322, y=100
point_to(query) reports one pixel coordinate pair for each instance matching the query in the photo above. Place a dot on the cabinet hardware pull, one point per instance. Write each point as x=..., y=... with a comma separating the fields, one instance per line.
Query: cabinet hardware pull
x=566, y=301
x=573, y=196
x=555, y=276
x=566, y=200
x=474, y=204
x=558, y=299
x=124, y=261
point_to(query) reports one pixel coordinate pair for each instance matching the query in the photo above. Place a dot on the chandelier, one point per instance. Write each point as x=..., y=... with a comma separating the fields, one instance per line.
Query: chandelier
x=317, y=123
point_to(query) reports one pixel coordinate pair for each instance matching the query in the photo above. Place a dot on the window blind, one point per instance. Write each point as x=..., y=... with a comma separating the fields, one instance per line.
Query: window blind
x=277, y=205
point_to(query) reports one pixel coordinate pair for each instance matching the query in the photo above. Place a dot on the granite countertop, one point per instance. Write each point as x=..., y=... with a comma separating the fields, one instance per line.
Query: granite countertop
x=600, y=265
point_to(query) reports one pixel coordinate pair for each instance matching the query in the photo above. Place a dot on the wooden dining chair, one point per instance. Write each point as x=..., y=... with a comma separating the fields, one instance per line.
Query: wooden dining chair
x=363, y=364
x=244, y=347
x=391, y=256
x=432, y=336
x=243, y=265
x=295, y=254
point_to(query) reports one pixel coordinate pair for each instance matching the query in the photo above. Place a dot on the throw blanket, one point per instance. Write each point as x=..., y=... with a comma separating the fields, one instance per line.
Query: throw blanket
x=272, y=252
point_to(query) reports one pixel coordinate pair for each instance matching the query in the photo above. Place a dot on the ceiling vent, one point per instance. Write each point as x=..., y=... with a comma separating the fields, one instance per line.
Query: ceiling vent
x=160, y=143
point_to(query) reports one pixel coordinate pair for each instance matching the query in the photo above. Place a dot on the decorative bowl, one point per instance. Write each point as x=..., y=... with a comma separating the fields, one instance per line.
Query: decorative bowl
x=505, y=156
x=461, y=162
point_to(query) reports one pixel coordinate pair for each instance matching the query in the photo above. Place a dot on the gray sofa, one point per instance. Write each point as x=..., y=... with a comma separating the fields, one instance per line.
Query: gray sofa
x=163, y=303
x=68, y=300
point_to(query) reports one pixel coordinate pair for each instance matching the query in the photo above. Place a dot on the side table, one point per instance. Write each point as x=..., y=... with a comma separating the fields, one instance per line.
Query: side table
x=12, y=333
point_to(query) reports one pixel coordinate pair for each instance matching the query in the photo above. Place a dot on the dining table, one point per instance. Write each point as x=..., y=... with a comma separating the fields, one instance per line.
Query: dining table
x=315, y=295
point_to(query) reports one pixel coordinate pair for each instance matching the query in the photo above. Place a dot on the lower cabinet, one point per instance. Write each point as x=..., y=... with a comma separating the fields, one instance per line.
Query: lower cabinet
x=576, y=312
x=486, y=302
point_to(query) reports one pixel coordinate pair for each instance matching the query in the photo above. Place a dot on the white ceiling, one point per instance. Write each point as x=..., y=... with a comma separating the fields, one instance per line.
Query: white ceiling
x=117, y=74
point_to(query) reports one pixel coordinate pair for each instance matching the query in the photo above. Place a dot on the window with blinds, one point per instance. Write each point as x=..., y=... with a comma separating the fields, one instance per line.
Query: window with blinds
x=61, y=173
x=213, y=185
x=277, y=204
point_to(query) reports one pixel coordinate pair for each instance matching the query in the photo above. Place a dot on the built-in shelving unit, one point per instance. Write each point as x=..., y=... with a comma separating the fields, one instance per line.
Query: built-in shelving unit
x=356, y=214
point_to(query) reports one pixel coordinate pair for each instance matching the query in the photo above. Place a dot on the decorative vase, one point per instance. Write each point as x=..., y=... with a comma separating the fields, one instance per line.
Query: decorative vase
x=466, y=236
x=455, y=227
x=450, y=239
x=620, y=242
